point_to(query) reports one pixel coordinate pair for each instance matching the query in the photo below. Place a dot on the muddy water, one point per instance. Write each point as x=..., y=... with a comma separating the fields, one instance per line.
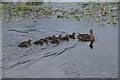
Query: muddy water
x=72, y=59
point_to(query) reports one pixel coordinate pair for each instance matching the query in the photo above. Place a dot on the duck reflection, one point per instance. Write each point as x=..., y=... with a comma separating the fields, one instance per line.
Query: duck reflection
x=91, y=44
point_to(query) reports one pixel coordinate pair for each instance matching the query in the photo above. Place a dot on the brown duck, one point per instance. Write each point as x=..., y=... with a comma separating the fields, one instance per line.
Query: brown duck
x=72, y=36
x=41, y=41
x=86, y=37
x=51, y=38
x=25, y=43
x=60, y=37
x=66, y=38
x=45, y=40
x=55, y=41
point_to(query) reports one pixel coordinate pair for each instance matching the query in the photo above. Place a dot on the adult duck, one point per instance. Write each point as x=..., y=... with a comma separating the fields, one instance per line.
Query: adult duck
x=86, y=37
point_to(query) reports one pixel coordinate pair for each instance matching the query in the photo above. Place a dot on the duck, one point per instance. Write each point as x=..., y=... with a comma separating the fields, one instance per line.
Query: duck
x=51, y=38
x=41, y=41
x=25, y=43
x=72, y=36
x=55, y=41
x=66, y=37
x=60, y=37
x=54, y=37
x=86, y=37
x=45, y=40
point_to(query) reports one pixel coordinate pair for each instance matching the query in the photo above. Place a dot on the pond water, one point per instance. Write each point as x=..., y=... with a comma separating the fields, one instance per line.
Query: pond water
x=72, y=59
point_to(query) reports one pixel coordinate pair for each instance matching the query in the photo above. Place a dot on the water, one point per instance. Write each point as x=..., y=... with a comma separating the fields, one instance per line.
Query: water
x=72, y=59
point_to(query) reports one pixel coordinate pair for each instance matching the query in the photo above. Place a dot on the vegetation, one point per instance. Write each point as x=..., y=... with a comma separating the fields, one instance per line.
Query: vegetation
x=105, y=12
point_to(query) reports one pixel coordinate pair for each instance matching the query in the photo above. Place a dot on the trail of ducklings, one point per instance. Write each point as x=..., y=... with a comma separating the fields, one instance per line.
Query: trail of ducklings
x=56, y=40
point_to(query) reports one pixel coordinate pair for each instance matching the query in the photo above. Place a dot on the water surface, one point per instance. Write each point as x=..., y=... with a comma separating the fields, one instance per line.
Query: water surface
x=72, y=59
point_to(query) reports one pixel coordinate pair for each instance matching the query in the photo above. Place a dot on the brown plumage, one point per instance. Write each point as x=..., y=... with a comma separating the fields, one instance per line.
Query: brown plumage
x=66, y=38
x=55, y=41
x=60, y=37
x=51, y=38
x=45, y=40
x=25, y=43
x=72, y=36
x=86, y=37
x=41, y=41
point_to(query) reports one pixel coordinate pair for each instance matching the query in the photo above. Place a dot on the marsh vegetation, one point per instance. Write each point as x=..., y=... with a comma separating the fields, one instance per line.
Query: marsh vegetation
x=106, y=13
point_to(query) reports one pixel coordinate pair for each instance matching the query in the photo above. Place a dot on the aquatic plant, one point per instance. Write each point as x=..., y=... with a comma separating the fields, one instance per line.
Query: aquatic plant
x=100, y=11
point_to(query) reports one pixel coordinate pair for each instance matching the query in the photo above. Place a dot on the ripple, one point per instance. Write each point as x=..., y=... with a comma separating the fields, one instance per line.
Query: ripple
x=18, y=31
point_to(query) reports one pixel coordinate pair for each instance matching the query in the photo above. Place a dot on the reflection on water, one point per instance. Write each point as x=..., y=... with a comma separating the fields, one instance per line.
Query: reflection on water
x=91, y=44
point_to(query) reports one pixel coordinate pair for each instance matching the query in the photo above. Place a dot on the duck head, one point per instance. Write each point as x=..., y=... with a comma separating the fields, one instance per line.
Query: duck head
x=54, y=36
x=67, y=36
x=92, y=37
x=73, y=33
x=30, y=40
x=60, y=36
x=91, y=31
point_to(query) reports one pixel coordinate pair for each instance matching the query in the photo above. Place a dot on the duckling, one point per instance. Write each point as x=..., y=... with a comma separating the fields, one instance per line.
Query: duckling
x=41, y=41
x=55, y=41
x=60, y=37
x=25, y=43
x=66, y=37
x=54, y=37
x=45, y=40
x=72, y=36
x=51, y=38
x=86, y=37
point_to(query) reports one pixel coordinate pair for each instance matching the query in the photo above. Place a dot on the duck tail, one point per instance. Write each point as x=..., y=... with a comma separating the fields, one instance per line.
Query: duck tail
x=19, y=45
